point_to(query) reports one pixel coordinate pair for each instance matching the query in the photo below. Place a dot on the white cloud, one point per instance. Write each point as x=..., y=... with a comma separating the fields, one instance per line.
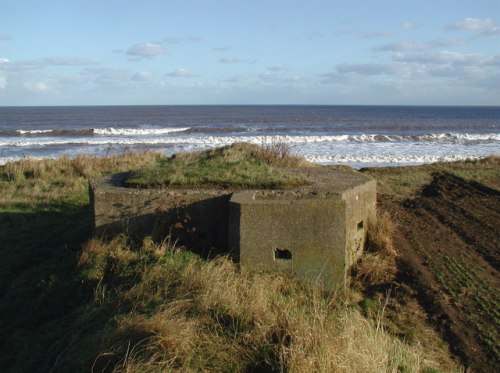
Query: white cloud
x=173, y=40
x=402, y=46
x=408, y=25
x=38, y=86
x=19, y=66
x=337, y=78
x=180, y=40
x=42, y=63
x=372, y=68
x=3, y=82
x=365, y=34
x=68, y=61
x=193, y=39
x=180, y=73
x=236, y=79
x=146, y=50
x=278, y=68
x=221, y=49
x=444, y=57
x=142, y=76
x=230, y=60
x=436, y=72
x=106, y=76
x=448, y=42
x=482, y=27
x=273, y=72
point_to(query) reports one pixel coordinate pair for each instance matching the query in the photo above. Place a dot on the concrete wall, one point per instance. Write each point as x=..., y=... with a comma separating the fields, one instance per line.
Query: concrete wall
x=304, y=236
x=360, y=214
x=195, y=218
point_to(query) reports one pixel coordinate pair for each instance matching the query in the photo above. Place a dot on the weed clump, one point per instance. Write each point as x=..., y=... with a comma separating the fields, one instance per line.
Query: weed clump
x=279, y=154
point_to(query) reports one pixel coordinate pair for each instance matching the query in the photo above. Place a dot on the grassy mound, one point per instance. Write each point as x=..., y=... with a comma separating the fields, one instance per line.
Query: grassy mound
x=236, y=166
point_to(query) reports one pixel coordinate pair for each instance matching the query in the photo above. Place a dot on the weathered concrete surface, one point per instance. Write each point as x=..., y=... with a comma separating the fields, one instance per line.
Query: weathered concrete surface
x=315, y=231
x=195, y=218
x=307, y=228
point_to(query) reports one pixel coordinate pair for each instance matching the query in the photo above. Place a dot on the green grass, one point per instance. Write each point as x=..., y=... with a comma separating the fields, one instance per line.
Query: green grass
x=235, y=166
x=462, y=281
x=407, y=182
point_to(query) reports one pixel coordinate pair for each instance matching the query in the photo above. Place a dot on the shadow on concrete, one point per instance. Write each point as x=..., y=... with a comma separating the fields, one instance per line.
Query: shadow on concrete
x=201, y=227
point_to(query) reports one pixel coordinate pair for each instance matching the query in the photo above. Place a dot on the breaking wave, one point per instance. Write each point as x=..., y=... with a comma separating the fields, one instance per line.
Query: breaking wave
x=137, y=131
x=388, y=159
x=110, y=131
x=137, y=137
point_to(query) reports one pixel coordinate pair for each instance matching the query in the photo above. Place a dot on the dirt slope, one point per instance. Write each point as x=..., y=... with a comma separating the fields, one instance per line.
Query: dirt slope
x=448, y=238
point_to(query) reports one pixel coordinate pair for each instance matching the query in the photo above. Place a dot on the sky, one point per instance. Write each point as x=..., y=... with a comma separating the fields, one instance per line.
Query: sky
x=337, y=52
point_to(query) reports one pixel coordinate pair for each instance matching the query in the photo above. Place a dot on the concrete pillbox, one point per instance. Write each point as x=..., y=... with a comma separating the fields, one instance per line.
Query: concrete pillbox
x=315, y=232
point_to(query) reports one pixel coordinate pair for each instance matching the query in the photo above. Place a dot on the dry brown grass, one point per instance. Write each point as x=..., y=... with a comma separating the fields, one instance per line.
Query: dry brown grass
x=277, y=153
x=212, y=316
x=378, y=265
x=31, y=182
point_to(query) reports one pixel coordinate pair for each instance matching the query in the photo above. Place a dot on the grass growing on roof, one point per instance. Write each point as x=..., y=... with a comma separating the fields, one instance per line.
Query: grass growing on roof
x=234, y=166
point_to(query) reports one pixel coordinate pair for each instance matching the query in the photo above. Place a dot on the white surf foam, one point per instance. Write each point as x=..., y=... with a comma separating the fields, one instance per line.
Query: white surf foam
x=32, y=132
x=373, y=159
x=135, y=138
x=136, y=131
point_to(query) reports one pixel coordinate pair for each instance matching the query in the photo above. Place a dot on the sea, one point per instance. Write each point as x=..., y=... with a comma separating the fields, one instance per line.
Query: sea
x=357, y=136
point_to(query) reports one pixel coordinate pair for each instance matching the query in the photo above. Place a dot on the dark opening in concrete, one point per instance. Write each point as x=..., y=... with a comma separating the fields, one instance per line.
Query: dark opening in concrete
x=282, y=254
x=360, y=225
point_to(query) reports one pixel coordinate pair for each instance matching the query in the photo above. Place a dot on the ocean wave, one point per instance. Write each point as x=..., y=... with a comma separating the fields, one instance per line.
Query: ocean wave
x=110, y=131
x=51, y=133
x=446, y=138
x=32, y=132
x=388, y=159
x=137, y=131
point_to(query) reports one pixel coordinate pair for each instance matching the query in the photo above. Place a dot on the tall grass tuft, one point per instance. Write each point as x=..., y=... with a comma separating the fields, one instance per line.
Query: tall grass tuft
x=378, y=265
x=278, y=153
